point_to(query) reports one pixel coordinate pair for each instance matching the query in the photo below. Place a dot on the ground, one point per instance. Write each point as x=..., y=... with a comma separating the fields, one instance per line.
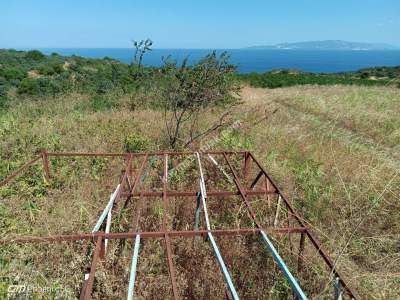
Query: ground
x=334, y=151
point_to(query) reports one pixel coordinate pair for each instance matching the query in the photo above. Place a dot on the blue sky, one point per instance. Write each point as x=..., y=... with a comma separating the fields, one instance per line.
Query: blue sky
x=194, y=24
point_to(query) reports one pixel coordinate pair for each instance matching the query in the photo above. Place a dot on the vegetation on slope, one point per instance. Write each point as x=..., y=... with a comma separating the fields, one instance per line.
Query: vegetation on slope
x=380, y=76
x=34, y=74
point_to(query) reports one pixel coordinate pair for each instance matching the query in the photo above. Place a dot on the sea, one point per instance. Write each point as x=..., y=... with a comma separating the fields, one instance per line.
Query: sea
x=254, y=60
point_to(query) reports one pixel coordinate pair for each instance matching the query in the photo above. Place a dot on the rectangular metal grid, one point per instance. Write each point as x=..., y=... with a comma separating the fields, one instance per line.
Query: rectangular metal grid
x=129, y=187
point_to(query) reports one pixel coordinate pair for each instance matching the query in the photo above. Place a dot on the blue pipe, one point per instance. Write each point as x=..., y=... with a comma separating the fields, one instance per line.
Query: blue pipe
x=292, y=281
x=132, y=276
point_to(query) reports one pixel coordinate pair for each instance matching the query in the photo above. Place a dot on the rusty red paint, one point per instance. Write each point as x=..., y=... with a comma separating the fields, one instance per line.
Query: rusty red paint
x=270, y=189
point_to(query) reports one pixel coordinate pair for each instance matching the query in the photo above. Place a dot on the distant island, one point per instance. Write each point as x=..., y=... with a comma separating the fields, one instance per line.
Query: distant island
x=328, y=45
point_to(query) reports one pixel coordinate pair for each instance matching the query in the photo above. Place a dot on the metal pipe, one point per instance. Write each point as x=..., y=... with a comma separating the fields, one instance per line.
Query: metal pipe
x=106, y=209
x=292, y=281
x=194, y=193
x=132, y=276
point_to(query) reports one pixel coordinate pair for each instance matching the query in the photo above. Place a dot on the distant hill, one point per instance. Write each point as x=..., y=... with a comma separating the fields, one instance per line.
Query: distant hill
x=328, y=45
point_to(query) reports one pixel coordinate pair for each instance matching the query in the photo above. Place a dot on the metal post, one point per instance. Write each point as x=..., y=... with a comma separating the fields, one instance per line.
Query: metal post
x=46, y=170
x=278, y=207
x=267, y=190
x=197, y=213
x=300, y=254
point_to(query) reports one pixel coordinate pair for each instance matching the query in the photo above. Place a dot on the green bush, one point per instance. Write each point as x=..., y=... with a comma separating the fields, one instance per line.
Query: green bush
x=13, y=73
x=46, y=70
x=283, y=78
x=135, y=142
x=3, y=96
x=35, y=55
x=104, y=86
x=39, y=87
x=101, y=103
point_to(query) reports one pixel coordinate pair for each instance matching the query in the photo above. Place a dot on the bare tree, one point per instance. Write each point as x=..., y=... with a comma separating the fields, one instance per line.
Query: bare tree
x=141, y=47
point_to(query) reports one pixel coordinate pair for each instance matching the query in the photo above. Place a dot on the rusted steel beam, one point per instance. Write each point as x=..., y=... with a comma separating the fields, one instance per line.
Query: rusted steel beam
x=193, y=193
x=165, y=227
x=19, y=171
x=91, y=154
x=148, y=234
x=90, y=281
x=86, y=154
x=310, y=235
x=228, y=295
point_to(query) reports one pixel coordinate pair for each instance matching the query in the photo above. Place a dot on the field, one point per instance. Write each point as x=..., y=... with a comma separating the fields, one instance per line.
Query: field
x=334, y=150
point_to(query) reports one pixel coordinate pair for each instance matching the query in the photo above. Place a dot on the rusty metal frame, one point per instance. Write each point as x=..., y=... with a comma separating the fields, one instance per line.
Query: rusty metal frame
x=270, y=188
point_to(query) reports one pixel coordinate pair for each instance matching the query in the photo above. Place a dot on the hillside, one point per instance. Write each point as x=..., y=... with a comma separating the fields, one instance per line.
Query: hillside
x=334, y=149
x=328, y=45
x=27, y=74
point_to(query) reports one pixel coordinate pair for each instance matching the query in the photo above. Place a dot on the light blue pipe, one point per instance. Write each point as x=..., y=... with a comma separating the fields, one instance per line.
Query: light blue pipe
x=132, y=276
x=223, y=267
x=105, y=211
x=292, y=281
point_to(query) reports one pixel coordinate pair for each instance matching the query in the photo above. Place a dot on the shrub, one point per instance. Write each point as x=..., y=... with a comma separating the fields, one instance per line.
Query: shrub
x=104, y=86
x=187, y=90
x=39, y=87
x=46, y=70
x=3, y=96
x=13, y=73
x=102, y=103
x=35, y=55
x=135, y=142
